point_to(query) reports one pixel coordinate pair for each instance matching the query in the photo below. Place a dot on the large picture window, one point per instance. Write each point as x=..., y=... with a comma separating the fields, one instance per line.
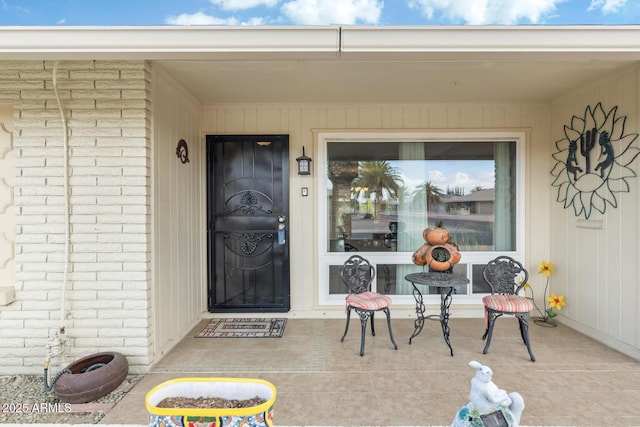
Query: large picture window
x=381, y=193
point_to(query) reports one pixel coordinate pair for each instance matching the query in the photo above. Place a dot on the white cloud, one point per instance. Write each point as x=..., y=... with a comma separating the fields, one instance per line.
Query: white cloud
x=256, y=20
x=411, y=183
x=458, y=179
x=197, y=18
x=483, y=12
x=436, y=177
x=200, y=18
x=61, y=21
x=323, y=12
x=242, y=4
x=607, y=6
x=462, y=179
x=6, y=7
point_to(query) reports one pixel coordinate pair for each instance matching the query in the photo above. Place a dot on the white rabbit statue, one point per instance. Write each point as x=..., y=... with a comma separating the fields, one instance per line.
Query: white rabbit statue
x=485, y=398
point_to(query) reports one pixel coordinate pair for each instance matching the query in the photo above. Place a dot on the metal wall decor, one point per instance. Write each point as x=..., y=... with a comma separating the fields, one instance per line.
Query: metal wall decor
x=592, y=161
x=182, y=151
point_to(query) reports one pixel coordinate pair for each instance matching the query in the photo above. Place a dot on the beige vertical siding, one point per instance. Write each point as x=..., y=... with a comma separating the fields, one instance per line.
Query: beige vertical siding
x=179, y=229
x=596, y=260
x=299, y=121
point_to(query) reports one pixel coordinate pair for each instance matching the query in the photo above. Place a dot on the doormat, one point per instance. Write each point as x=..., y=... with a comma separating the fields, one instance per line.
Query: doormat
x=243, y=328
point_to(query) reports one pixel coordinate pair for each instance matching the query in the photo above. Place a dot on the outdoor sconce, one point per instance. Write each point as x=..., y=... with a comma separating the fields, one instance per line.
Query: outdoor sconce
x=304, y=164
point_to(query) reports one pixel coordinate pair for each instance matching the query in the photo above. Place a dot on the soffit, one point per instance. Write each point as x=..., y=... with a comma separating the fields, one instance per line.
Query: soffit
x=385, y=81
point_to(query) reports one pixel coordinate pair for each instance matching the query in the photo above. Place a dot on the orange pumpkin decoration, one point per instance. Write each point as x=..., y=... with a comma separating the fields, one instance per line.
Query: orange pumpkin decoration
x=435, y=235
x=418, y=256
x=456, y=256
x=442, y=257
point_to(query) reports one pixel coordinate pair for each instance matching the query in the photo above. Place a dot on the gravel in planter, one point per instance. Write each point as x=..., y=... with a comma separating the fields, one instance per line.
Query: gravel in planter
x=25, y=401
x=209, y=402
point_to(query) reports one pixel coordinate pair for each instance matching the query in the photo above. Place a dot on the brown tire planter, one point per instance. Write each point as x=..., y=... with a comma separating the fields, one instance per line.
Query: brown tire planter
x=92, y=377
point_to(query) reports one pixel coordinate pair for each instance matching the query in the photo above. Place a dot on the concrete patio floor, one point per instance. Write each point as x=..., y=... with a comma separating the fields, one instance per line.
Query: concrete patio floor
x=320, y=381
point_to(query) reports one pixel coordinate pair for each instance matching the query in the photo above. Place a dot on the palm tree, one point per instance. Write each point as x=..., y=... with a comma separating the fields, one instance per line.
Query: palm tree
x=378, y=176
x=431, y=193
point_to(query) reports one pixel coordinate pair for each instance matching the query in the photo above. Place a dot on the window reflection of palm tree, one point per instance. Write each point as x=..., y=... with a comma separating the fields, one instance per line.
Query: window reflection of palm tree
x=431, y=193
x=378, y=176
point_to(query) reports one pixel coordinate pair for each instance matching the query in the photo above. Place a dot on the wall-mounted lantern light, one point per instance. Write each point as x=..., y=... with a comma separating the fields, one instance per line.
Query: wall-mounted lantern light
x=304, y=164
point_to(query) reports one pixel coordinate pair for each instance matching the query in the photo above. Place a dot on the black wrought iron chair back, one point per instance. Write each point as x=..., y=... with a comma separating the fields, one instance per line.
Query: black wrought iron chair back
x=506, y=277
x=358, y=274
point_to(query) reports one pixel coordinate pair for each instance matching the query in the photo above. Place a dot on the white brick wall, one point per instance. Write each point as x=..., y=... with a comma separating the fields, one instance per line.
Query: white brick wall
x=7, y=216
x=108, y=110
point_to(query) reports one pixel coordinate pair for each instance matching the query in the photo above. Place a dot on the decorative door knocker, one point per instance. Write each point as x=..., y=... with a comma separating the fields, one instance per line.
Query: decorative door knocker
x=182, y=151
x=592, y=161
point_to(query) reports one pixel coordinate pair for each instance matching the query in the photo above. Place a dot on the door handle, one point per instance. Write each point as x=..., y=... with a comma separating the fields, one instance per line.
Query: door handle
x=281, y=230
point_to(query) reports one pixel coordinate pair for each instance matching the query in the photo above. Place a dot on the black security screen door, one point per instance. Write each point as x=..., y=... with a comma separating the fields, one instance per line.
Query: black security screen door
x=248, y=223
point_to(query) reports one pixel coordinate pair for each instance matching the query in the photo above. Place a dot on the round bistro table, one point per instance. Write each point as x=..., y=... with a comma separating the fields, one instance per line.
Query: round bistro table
x=444, y=283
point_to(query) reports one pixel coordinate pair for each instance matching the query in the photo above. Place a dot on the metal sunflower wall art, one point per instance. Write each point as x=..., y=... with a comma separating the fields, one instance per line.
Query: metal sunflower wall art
x=592, y=161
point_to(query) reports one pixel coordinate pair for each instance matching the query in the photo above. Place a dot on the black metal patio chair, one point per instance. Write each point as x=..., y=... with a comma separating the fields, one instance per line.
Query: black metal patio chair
x=506, y=277
x=358, y=274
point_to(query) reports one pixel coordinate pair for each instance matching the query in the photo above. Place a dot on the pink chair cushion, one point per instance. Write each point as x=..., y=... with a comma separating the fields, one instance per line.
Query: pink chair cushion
x=508, y=303
x=368, y=301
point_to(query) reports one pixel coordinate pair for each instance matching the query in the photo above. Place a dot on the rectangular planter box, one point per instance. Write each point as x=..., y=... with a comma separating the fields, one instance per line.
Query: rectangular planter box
x=227, y=388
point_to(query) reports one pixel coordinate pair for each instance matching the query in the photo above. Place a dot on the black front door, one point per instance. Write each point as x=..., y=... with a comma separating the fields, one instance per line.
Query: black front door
x=248, y=223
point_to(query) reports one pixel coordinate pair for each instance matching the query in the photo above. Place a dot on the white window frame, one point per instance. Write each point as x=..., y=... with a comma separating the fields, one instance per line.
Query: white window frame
x=327, y=259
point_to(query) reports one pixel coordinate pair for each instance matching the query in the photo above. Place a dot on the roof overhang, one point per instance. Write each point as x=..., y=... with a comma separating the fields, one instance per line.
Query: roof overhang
x=276, y=64
x=167, y=43
x=206, y=42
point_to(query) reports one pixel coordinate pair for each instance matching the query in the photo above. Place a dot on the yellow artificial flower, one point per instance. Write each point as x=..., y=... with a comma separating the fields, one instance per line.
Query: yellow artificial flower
x=556, y=301
x=545, y=268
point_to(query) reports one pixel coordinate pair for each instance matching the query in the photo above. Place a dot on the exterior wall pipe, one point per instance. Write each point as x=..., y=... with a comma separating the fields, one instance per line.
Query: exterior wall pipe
x=67, y=221
x=56, y=345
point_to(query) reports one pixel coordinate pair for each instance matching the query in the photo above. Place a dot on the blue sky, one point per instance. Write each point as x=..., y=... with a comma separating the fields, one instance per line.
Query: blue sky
x=317, y=12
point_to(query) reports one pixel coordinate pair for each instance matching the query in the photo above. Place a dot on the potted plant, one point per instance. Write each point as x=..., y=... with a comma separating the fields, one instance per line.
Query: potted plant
x=211, y=402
